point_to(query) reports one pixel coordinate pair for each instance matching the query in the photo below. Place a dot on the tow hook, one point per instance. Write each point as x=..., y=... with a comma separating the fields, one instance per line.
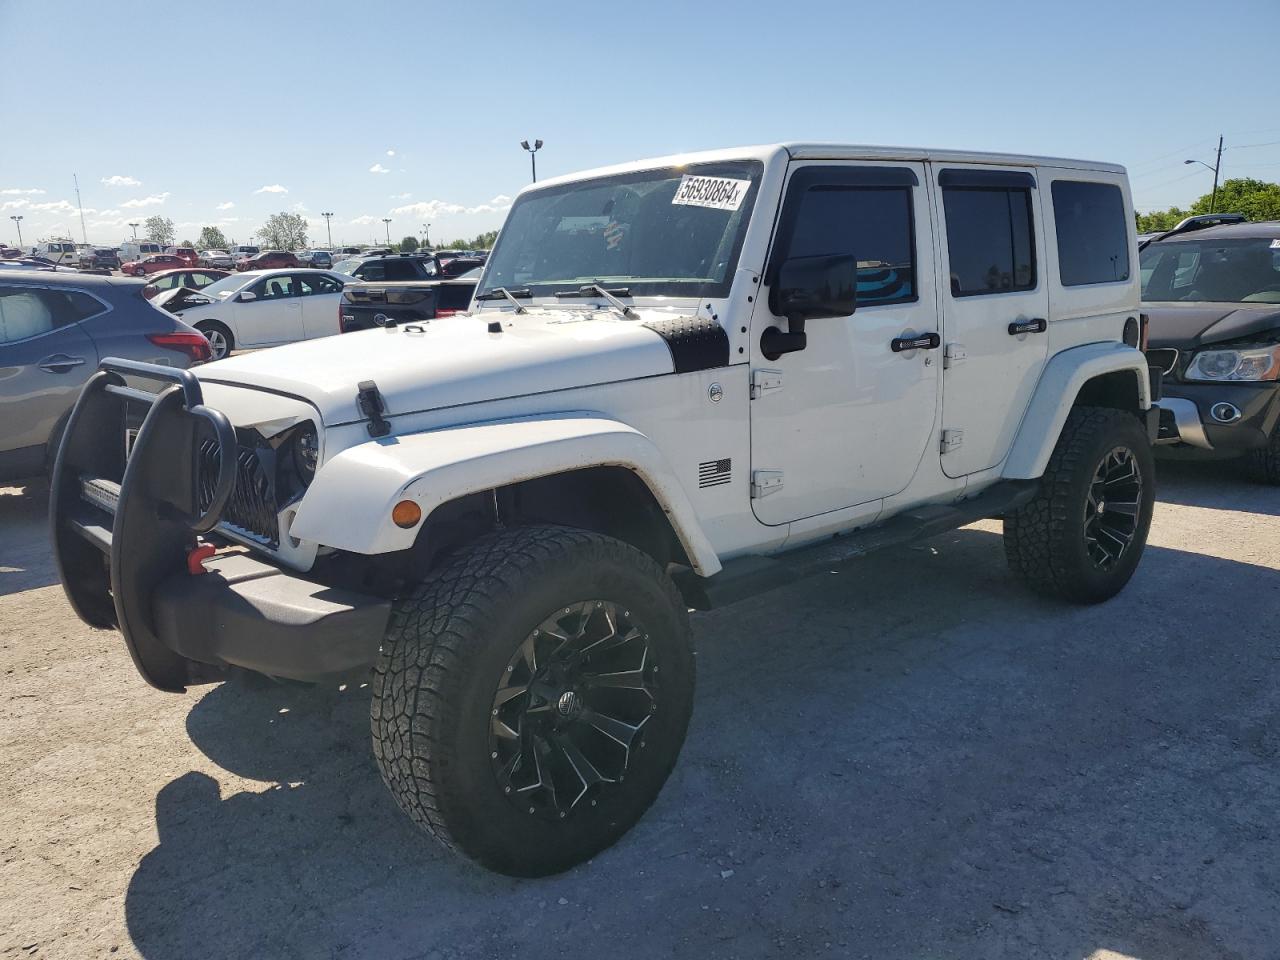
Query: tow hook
x=196, y=557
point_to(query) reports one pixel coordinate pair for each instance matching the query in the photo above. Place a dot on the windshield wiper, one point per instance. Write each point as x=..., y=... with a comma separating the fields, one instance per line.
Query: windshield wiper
x=596, y=290
x=502, y=293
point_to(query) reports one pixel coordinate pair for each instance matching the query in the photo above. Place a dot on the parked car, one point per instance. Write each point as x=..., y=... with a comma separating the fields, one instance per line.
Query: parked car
x=1212, y=299
x=219, y=259
x=174, y=279
x=460, y=265
x=368, y=305
x=321, y=259
x=262, y=308
x=187, y=255
x=505, y=520
x=268, y=260
x=54, y=328
x=155, y=263
x=242, y=250
x=394, y=268
x=95, y=258
x=62, y=252
x=134, y=250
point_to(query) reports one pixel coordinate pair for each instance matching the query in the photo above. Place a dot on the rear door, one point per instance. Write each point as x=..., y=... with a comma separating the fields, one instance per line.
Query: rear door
x=275, y=316
x=45, y=357
x=320, y=299
x=995, y=305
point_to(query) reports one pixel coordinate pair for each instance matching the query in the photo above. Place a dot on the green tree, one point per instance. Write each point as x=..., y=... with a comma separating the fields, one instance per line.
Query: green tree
x=284, y=231
x=211, y=238
x=159, y=229
x=408, y=244
x=1256, y=199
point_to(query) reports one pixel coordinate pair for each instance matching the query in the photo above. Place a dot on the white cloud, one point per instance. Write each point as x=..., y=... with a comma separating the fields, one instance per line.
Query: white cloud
x=54, y=206
x=16, y=192
x=378, y=168
x=120, y=181
x=154, y=200
x=225, y=206
x=363, y=221
x=272, y=188
x=391, y=153
x=299, y=207
x=401, y=196
x=14, y=204
x=436, y=208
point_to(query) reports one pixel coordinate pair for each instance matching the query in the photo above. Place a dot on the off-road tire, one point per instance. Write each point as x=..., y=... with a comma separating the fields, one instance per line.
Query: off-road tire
x=1264, y=465
x=213, y=326
x=450, y=643
x=1044, y=539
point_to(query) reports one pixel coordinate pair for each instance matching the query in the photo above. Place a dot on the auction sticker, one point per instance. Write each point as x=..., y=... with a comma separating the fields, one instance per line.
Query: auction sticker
x=719, y=193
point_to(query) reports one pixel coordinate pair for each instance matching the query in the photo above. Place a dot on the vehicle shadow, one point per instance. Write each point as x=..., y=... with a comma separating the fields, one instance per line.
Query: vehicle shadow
x=26, y=559
x=1215, y=485
x=910, y=756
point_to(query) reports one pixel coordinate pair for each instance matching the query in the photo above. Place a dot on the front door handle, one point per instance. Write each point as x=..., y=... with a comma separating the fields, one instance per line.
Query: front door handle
x=1018, y=327
x=60, y=363
x=919, y=341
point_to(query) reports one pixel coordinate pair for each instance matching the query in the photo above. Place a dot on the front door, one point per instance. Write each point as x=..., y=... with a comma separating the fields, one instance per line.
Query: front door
x=996, y=308
x=275, y=316
x=847, y=419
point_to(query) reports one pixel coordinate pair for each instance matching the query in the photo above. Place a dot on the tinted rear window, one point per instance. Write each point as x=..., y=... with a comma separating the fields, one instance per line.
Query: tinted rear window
x=989, y=240
x=1093, y=235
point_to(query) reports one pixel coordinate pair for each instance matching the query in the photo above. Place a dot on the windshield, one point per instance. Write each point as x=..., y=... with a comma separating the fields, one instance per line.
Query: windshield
x=225, y=286
x=1245, y=270
x=674, y=232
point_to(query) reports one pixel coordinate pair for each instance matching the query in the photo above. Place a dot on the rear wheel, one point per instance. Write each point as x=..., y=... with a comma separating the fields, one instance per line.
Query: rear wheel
x=221, y=343
x=1082, y=536
x=531, y=699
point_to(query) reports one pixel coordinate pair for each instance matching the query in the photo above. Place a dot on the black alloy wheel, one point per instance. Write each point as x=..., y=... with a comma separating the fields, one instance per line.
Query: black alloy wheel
x=1113, y=507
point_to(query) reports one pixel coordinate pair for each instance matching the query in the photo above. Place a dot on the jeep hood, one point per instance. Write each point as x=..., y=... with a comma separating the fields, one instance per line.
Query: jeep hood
x=1188, y=325
x=451, y=362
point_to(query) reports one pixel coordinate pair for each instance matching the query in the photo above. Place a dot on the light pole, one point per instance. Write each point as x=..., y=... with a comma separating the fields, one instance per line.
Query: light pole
x=18, y=220
x=387, y=221
x=533, y=159
x=328, y=232
x=135, y=230
x=426, y=236
x=1217, y=165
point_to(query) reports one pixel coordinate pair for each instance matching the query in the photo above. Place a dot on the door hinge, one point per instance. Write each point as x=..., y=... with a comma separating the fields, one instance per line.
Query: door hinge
x=764, y=380
x=952, y=440
x=954, y=353
x=765, y=482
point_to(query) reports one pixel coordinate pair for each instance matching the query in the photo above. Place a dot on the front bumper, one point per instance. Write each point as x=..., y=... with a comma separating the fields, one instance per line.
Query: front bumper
x=1217, y=420
x=146, y=514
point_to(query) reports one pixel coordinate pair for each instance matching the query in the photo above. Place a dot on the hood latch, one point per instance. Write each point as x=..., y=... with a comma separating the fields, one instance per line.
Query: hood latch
x=371, y=404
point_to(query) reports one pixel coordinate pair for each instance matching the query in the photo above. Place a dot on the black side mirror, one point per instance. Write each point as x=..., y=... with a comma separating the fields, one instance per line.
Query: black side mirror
x=809, y=288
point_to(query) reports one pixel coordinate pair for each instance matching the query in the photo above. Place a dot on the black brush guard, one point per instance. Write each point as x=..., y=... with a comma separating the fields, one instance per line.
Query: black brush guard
x=123, y=524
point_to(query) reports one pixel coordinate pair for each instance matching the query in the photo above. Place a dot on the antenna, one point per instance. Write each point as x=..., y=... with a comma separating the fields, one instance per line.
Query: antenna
x=84, y=234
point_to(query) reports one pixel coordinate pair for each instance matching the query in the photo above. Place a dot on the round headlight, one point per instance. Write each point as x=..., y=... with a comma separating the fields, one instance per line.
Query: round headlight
x=306, y=452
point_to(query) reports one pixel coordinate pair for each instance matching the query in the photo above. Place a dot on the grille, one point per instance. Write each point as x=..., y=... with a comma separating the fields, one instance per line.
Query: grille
x=1166, y=359
x=252, y=506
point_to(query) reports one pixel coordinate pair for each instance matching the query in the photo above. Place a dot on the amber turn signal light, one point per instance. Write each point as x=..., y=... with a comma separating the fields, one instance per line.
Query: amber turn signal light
x=406, y=514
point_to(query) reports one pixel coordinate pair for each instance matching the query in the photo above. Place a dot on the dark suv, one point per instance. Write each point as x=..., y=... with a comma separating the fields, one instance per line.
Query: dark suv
x=368, y=305
x=1212, y=298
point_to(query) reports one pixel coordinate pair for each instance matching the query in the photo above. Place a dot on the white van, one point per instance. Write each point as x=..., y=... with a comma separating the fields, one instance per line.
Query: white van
x=132, y=250
x=59, y=251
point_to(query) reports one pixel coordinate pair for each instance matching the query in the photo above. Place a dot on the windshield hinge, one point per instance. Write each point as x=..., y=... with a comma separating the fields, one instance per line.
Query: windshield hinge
x=763, y=381
x=370, y=403
x=765, y=482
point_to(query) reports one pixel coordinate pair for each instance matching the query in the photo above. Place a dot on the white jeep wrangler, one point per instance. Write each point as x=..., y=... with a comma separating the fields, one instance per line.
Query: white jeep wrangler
x=681, y=381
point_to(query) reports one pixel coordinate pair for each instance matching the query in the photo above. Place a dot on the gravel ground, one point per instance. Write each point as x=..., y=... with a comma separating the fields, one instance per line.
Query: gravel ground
x=908, y=758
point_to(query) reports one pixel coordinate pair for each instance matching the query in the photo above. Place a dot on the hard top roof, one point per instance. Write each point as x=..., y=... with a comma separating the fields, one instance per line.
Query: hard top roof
x=1261, y=230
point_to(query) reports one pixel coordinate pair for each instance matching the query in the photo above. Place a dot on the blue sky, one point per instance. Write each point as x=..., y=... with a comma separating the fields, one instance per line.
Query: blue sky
x=223, y=114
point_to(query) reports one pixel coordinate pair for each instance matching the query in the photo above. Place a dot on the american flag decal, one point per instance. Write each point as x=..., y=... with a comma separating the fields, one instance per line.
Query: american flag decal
x=713, y=473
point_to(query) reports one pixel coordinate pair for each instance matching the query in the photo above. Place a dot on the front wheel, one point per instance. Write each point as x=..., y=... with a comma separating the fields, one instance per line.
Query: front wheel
x=1264, y=464
x=221, y=343
x=1082, y=536
x=530, y=700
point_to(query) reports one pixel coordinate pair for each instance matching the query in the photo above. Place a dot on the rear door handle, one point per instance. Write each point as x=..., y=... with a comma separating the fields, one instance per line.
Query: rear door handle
x=1038, y=325
x=920, y=341
x=60, y=363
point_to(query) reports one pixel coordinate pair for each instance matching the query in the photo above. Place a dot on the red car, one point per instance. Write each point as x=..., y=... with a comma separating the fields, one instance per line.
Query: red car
x=186, y=254
x=269, y=260
x=191, y=279
x=152, y=264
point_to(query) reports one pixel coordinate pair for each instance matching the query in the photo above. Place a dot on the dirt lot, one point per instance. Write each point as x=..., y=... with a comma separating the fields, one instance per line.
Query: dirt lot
x=910, y=758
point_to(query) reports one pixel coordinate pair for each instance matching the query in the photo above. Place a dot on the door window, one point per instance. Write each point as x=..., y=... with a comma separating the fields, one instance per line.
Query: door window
x=989, y=239
x=27, y=312
x=317, y=285
x=1093, y=234
x=276, y=288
